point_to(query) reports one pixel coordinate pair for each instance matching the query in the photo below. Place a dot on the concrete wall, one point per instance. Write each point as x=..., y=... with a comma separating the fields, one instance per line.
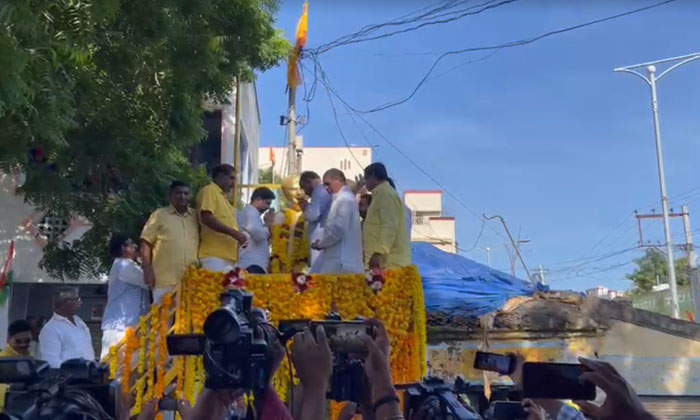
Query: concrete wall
x=654, y=362
x=428, y=202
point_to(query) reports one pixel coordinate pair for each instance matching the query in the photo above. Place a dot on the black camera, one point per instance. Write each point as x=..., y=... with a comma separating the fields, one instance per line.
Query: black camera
x=436, y=395
x=235, y=345
x=347, y=382
x=80, y=389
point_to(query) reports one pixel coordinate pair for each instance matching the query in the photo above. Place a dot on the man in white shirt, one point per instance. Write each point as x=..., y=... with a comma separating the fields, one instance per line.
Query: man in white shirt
x=65, y=336
x=341, y=244
x=255, y=257
x=127, y=295
x=315, y=211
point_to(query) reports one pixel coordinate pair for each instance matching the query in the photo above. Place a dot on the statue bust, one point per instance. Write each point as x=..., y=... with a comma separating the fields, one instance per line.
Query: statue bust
x=292, y=192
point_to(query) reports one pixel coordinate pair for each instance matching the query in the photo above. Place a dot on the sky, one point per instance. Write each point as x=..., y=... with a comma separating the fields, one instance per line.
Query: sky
x=545, y=135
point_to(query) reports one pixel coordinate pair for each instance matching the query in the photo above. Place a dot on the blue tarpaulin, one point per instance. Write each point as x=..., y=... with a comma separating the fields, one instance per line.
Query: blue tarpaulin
x=455, y=284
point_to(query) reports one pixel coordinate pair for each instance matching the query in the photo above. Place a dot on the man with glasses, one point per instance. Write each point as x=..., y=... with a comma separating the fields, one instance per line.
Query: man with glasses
x=341, y=243
x=65, y=336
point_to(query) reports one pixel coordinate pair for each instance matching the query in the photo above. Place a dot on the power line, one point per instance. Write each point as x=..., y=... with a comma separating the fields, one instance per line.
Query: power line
x=499, y=47
x=446, y=18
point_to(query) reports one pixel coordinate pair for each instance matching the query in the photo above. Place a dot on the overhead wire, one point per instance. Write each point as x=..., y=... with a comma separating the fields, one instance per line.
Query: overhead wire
x=439, y=19
x=511, y=44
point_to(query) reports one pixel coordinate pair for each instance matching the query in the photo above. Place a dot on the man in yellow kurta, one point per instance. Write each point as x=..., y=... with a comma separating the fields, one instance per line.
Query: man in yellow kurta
x=170, y=242
x=219, y=235
x=385, y=236
x=19, y=336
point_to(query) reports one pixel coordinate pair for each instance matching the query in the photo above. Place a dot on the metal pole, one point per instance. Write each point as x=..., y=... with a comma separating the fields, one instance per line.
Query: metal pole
x=237, y=144
x=692, y=262
x=515, y=246
x=541, y=274
x=291, y=152
x=664, y=197
x=488, y=256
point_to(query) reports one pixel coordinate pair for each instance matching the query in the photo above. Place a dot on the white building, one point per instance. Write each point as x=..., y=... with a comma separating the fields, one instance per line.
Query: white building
x=32, y=229
x=603, y=292
x=350, y=160
x=429, y=223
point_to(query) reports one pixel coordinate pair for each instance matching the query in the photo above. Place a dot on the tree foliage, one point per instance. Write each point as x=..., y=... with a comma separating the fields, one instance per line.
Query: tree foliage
x=101, y=101
x=652, y=269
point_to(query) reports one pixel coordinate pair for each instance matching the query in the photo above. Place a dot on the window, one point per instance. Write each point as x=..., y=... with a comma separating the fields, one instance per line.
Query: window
x=52, y=227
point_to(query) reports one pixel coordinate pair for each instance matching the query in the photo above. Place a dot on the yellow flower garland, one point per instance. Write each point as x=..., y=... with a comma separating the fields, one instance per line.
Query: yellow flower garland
x=282, y=260
x=399, y=305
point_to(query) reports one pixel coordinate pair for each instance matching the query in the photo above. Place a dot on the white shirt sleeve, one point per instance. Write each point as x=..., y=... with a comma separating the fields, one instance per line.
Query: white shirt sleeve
x=132, y=273
x=337, y=223
x=50, y=346
x=252, y=224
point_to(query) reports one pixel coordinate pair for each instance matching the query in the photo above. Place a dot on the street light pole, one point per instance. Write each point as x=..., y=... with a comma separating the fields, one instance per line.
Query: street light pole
x=516, y=246
x=652, y=80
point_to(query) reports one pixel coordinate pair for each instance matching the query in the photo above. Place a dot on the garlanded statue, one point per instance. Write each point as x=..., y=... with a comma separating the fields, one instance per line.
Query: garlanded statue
x=290, y=242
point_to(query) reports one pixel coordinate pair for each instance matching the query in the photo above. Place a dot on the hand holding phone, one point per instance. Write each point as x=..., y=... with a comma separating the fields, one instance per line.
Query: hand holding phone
x=509, y=410
x=503, y=364
x=556, y=381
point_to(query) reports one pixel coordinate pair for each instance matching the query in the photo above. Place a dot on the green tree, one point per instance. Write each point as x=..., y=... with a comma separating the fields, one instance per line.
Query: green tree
x=101, y=101
x=265, y=176
x=652, y=268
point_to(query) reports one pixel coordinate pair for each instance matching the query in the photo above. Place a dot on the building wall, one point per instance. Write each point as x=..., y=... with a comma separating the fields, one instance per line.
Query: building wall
x=660, y=301
x=319, y=159
x=654, y=362
x=424, y=202
x=429, y=223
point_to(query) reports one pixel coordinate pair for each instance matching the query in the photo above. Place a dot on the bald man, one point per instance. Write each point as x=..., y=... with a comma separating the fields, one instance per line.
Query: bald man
x=341, y=244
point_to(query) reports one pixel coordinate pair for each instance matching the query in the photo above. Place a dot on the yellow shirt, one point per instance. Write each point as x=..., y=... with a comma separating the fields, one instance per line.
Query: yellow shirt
x=6, y=352
x=214, y=244
x=175, y=240
x=384, y=231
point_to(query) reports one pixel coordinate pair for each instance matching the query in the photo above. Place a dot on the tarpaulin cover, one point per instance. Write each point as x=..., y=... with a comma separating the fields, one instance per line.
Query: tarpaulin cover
x=455, y=284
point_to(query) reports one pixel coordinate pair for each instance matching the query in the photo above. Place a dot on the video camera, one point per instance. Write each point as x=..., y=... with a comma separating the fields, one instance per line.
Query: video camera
x=80, y=389
x=434, y=394
x=347, y=382
x=235, y=345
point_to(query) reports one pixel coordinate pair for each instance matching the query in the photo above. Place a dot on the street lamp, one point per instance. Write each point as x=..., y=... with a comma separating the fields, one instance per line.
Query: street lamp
x=651, y=80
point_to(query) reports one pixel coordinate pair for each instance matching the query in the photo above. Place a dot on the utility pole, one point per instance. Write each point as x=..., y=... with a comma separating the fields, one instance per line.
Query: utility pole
x=516, y=246
x=675, y=309
x=237, y=145
x=651, y=79
x=292, y=126
x=692, y=262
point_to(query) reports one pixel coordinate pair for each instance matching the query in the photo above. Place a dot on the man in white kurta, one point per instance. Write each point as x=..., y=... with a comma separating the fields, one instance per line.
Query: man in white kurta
x=341, y=244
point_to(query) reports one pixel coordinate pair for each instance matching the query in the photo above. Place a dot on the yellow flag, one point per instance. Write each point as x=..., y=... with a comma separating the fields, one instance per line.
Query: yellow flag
x=293, y=74
x=303, y=27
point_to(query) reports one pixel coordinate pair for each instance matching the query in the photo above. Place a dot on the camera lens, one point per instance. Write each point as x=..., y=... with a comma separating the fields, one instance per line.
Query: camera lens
x=222, y=326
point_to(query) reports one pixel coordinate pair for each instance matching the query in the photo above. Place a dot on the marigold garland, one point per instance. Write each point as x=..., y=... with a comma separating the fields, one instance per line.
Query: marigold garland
x=399, y=304
x=113, y=362
x=284, y=261
x=131, y=344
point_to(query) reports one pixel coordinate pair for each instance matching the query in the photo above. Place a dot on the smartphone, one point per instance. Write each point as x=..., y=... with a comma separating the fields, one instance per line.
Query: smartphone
x=167, y=404
x=493, y=362
x=556, y=381
x=508, y=410
x=343, y=336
